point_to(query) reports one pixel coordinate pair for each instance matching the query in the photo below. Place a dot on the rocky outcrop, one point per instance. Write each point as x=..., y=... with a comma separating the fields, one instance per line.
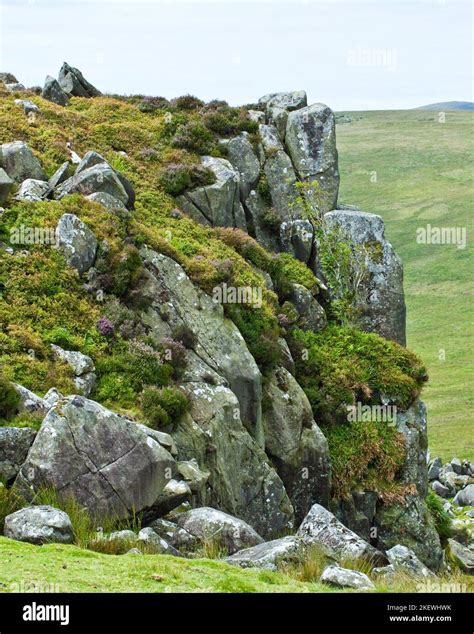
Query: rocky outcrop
x=109, y=464
x=32, y=190
x=295, y=444
x=404, y=559
x=379, y=302
x=39, y=525
x=74, y=84
x=311, y=141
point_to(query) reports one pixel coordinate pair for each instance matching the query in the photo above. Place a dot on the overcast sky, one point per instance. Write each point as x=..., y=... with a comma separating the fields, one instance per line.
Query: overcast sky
x=350, y=54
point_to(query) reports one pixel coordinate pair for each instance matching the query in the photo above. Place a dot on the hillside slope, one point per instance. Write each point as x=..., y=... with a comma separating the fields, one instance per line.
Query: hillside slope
x=420, y=167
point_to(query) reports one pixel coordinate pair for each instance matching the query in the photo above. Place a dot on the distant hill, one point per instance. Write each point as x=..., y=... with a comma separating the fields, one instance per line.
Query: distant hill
x=448, y=105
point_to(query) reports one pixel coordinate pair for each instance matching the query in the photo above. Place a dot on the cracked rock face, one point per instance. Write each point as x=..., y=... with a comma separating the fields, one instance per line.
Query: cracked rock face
x=109, y=464
x=14, y=445
x=76, y=242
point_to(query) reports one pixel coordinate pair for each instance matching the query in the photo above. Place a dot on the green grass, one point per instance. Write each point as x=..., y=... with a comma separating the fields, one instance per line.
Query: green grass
x=71, y=569
x=423, y=176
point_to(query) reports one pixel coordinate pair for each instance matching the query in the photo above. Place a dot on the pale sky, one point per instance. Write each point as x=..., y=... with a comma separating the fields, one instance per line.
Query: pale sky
x=349, y=54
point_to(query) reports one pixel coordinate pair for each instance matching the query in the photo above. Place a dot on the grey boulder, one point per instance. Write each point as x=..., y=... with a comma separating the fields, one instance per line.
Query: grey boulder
x=73, y=82
x=53, y=92
x=27, y=105
x=109, y=202
x=98, y=178
x=345, y=578
x=76, y=242
x=463, y=556
x=20, y=163
x=106, y=462
x=32, y=190
x=269, y=555
x=208, y=524
x=39, y=525
x=321, y=527
x=402, y=558
x=311, y=313
x=465, y=497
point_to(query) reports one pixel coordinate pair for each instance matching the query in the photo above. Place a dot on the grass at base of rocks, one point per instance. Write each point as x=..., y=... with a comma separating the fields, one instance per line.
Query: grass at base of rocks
x=71, y=569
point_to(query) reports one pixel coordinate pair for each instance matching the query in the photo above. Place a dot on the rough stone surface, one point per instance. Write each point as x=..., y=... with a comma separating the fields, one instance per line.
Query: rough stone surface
x=413, y=425
x=39, y=525
x=27, y=105
x=60, y=175
x=440, y=489
x=105, y=461
x=29, y=401
x=159, y=545
x=33, y=190
x=73, y=82
x=321, y=527
x=217, y=204
x=243, y=157
x=109, y=202
x=465, y=497
x=311, y=141
x=464, y=556
x=311, y=313
x=98, y=178
x=15, y=443
x=345, y=578
x=209, y=524
x=410, y=525
x=380, y=297
x=269, y=554
x=52, y=91
x=20, y=163
x=76, y=242
x=296, y=237
x=79, y=362
x=434, y=469
x=402, y=558
x=295, y=444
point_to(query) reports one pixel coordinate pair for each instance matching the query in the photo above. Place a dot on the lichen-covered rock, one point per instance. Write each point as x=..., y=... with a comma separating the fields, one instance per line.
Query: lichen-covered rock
x=52, y=91
x=208, y=524
x=20, y=163
x=156, y=543
x=282, y=181
x=243, y=157
x=410, y=525
x=107, y=463
x=15, y=443
x=59, y=176
x=174, y=535
x=357, y=512
x=268, y=555
x=345, y=578
x=402, y=558
x=39, y=525
x=80, y=363
x=192, y=474
x=33, y=190
x=109, y=202
x=29, y=401
x=296, y=237
x=73, y=82
x=463, y=556
x=27, y=105
x=217, y=204
x=292, y=100
x=321, y=527
x=380, y=299
x=434, y=469
x=295, y=444
x=98, y=178
x=76, y=242
x=311, y=141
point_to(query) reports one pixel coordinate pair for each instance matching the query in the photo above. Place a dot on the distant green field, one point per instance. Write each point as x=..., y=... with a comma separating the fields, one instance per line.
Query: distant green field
x=415, y=170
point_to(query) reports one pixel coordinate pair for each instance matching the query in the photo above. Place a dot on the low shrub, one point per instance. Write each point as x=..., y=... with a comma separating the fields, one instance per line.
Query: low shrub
x=194, y=136
x=9, y=398
x=10, y=501
x=442, y=520
x=163, y=406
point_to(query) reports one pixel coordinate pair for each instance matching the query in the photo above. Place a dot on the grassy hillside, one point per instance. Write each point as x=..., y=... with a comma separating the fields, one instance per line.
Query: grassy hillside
x=413, y=170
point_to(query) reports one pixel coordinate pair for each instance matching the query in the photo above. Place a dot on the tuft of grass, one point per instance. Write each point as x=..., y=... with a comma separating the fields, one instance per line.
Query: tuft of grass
x=10, y=501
